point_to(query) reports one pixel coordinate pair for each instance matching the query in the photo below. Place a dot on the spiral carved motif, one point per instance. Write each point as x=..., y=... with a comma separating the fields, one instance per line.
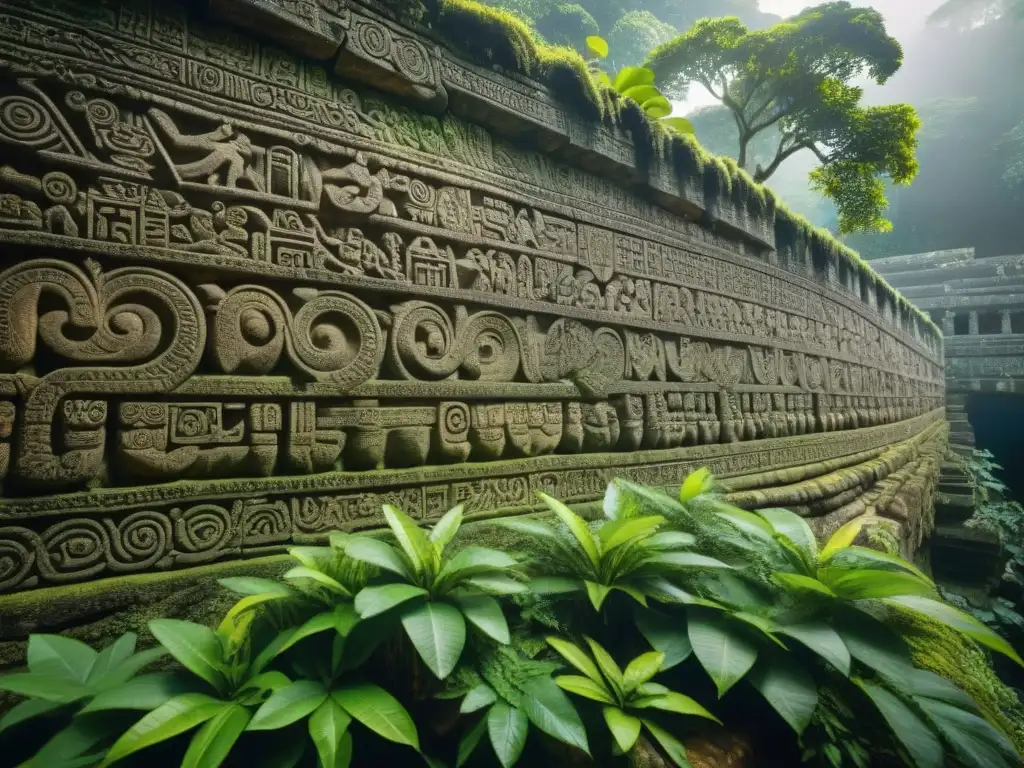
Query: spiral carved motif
x=73, y=550
x=202, y=532
x=483, y=346
x=333, y=336
x=18, y=548
x=138, y=541
x=25, y=121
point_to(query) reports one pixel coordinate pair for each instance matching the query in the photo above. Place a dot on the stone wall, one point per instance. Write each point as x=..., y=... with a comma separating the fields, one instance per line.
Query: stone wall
x=245, y=299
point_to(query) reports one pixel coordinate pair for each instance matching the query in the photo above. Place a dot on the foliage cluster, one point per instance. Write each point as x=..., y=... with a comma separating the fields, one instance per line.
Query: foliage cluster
x=602, y=638
x=795, y=79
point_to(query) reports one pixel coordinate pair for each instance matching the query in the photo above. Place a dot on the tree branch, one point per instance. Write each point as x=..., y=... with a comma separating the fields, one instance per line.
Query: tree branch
x=781, y=155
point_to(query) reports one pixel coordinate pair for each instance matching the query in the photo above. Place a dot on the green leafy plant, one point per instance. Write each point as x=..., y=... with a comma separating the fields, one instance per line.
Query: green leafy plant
x=628, y=555
x=65, y=676
x=520, y=692
x=433, y=593
x=636, y=83
x=629, y=697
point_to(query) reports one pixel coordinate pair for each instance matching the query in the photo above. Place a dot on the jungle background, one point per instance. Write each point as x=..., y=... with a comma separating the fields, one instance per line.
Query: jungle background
x=961, y=64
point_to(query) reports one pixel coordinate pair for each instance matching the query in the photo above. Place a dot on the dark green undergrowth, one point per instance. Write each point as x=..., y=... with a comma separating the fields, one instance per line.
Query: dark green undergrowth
x=547, y=640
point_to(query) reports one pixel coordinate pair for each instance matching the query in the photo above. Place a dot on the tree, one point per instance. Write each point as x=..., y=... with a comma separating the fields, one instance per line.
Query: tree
x=567, y=24
x=635, y=35
x=795, y=77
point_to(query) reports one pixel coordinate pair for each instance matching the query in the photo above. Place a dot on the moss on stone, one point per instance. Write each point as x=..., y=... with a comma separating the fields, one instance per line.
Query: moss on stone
x=946, y=652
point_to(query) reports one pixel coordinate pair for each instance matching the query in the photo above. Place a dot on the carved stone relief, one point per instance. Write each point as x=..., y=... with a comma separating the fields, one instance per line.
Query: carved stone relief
x=223, y=264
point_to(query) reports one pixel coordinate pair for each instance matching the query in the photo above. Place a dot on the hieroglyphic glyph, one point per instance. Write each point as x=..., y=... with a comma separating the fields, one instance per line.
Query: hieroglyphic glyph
x=233, y=287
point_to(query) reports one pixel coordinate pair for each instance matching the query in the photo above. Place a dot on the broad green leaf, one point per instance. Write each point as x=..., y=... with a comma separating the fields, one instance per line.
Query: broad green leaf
x=230, y=625
x=764, y=625
x=251, y=585
x=379, y=711
x=60, y=656
x=823, y=640
x=26, y=710
x=958, y=620
x=666, y=540
x=746, y=522
x=211, y=745
x=976, y=742
x=629, y=77
x=127, y=669
x=507, y=727
x=342, y=619
x=484, y=613
x=615, y=533
x=610, y=670
x=597, y=45
x=413, y=540
x=670, y=701
x=288, y=705
x=469, y=741
x=258, y=688
x=641, y=669
x=913, y=732
x=528, y=526
x=673, y=747
x=498, y=584
x=640, y=94
x=657, y=107
x=328, y=726
x=633, y=592
x=723, y=649
x=699, y=481
x=923, y=683
x=444, y=530
x=372, y=601
x=577, y=527
x=196, y=647
x=367, y=549
x=788, y=687
x=584, y=686
x=550, y=710
x=54, y=688
x=438, y=633
x=795, y=529
x=472, y=561
x=862, y=557
x=686, y=560
x=842, y=538
x=180, y=714
x=802, y=585
x=624, y=727
x=665, y=634
x=311, y=557
x=76, y=743
x=597, y=593
x=111, y=657
x=146, y=692
x=478, y=698
x=320, y=578
x=874, y=645
x=554, y=585
x=869, y=585
x=678, y=124
x=577, y=657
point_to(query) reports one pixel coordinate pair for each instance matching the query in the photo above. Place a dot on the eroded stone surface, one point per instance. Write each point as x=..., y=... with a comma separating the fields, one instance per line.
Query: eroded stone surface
x=236, y=284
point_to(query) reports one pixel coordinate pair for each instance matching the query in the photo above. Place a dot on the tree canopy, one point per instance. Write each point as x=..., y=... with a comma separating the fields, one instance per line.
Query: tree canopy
x=794, y=78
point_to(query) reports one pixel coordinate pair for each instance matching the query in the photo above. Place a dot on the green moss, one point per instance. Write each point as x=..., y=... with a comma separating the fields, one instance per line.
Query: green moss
x=946, y=652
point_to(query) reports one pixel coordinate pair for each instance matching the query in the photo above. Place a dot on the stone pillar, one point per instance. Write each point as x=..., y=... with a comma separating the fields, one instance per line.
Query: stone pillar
x=974, y=323
x=1007, y=327
x=948, y=322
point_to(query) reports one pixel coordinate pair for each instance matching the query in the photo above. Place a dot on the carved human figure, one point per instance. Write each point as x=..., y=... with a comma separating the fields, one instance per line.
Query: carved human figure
x=223, y=150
